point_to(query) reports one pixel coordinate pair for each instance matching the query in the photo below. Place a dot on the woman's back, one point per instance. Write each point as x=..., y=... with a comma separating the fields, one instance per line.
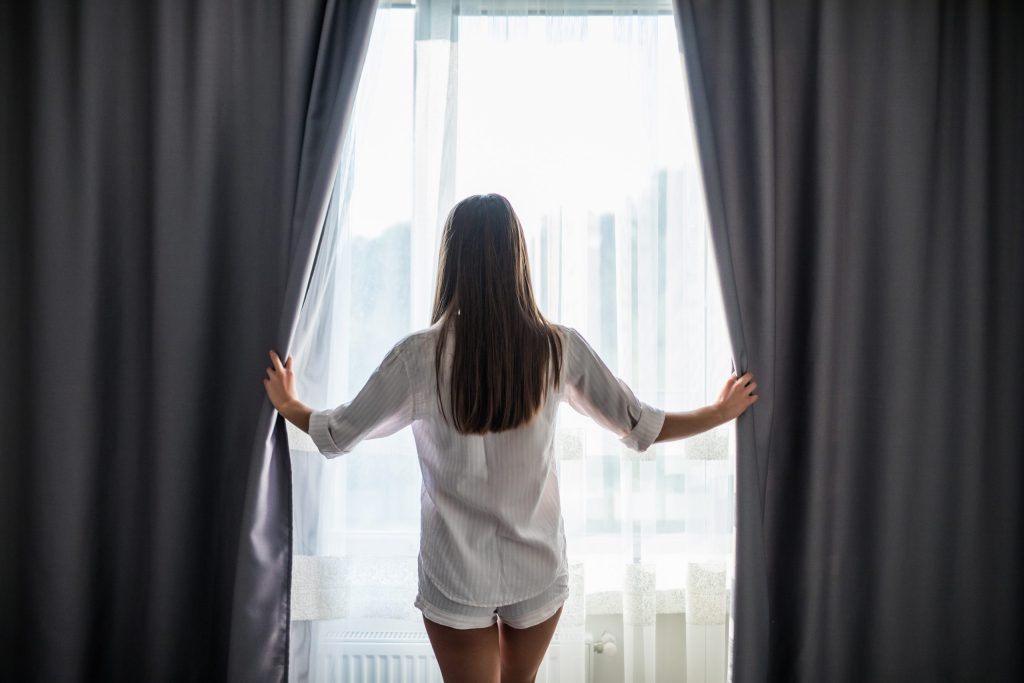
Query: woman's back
x=491, y=519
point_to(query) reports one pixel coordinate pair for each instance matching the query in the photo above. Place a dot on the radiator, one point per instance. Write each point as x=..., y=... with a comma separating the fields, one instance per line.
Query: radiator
x=376, y=657
x=351, y=656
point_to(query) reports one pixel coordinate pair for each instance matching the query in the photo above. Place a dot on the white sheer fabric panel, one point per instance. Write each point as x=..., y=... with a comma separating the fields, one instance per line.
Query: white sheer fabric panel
x=581, y=119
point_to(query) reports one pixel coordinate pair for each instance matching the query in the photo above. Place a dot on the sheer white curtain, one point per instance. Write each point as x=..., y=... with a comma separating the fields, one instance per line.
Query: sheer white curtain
x=578, y=113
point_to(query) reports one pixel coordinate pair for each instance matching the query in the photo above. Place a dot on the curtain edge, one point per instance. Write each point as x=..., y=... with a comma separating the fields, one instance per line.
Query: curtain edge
x=751, y=614
x=344, y=39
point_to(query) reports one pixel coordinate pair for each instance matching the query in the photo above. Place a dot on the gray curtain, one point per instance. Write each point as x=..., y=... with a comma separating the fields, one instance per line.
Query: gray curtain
x=164, y=175
x=863, y=164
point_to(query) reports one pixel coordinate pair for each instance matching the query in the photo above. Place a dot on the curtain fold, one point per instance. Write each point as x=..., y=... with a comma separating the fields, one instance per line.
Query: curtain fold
x=734, y=135
x=164, y=175
x=259, y=647
x=862, y=164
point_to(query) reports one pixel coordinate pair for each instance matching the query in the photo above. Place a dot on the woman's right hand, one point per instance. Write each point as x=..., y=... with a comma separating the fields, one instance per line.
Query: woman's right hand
x=736, y=396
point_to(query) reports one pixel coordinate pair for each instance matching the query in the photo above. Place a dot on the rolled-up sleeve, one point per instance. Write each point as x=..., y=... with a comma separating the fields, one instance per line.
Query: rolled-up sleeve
x=384, y=405
x=592, y=389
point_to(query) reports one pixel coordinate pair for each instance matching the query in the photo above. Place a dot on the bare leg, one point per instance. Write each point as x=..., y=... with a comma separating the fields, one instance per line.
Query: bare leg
x=523, y=649
x=465, y=656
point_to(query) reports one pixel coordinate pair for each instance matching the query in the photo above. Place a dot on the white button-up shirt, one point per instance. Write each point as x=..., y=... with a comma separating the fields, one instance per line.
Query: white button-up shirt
x=491, y=521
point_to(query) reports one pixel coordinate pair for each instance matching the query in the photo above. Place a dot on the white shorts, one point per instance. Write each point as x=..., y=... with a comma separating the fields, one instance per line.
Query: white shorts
x=441, y=610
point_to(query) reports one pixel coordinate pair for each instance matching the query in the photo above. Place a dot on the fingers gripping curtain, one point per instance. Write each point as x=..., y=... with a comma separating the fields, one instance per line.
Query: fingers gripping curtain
x=259, y=646
x=862, y=163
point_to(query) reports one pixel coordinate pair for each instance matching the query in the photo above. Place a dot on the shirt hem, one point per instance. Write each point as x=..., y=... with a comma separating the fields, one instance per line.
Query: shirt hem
x=561, y=570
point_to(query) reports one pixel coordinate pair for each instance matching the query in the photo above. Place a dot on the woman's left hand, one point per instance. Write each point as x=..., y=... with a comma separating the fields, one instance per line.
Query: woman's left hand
x=280, y=382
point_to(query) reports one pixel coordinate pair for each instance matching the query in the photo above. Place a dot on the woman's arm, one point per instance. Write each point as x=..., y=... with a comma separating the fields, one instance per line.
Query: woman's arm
x=593, y=390
x=384, y=405
x=736, y=396
x=280, y=386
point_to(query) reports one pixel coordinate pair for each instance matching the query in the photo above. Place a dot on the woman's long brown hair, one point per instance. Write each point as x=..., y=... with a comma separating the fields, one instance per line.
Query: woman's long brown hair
x=505, y=352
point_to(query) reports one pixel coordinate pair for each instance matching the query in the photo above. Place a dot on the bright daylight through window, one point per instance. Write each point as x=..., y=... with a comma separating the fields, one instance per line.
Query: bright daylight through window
x=582, y=120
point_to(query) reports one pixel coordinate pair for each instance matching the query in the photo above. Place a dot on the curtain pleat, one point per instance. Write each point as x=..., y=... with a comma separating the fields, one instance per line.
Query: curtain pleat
x=260, y=646
x=164, y=171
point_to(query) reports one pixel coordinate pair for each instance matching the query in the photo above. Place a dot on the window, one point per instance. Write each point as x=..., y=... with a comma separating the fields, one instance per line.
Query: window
x=581, y=119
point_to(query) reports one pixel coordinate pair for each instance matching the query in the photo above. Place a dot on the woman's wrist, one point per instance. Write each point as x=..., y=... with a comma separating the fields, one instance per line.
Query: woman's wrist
x=296, y=412
x=717, y=412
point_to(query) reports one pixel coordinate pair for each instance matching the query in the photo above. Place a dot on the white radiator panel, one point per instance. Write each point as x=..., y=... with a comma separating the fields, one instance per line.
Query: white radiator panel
x=349, y=656
x=368, y=656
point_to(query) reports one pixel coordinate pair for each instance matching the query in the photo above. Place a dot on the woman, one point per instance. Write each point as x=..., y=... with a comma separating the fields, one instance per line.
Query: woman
x=480, y=388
